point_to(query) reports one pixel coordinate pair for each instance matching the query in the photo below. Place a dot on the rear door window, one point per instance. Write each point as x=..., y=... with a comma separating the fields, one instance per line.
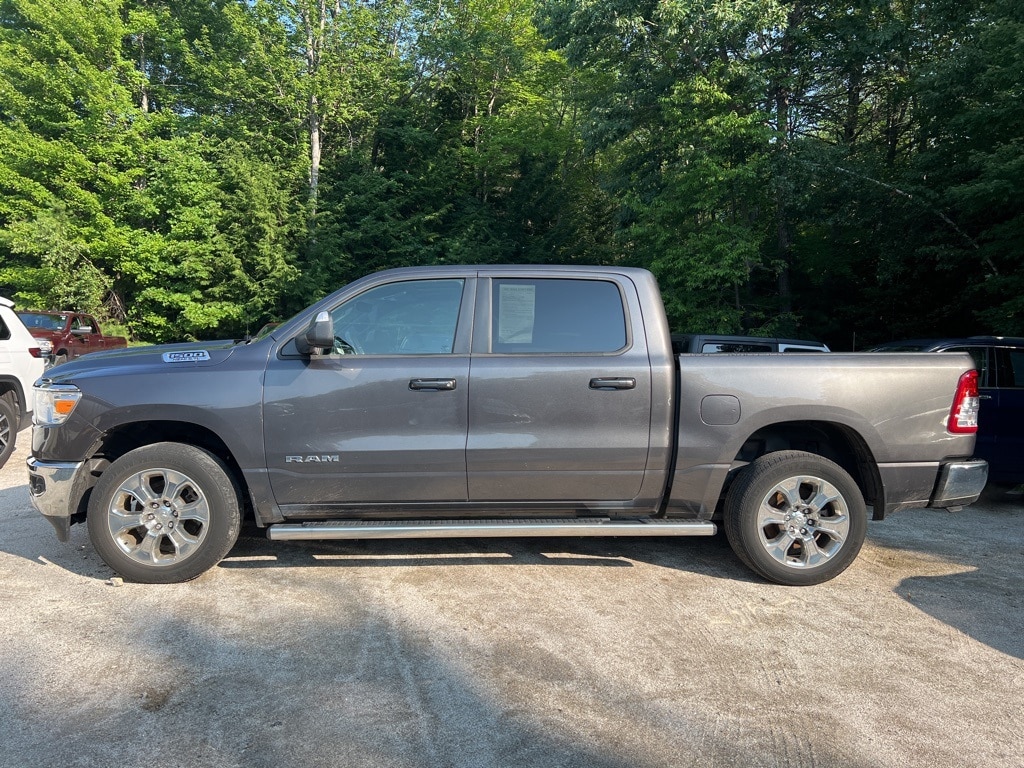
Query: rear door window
x=543, y=315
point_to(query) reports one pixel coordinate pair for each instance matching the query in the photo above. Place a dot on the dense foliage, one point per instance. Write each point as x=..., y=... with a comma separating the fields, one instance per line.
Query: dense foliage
x=846, y=171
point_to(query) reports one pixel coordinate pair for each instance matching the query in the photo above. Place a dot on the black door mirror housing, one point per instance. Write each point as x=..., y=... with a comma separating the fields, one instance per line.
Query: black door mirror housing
x=319, y=337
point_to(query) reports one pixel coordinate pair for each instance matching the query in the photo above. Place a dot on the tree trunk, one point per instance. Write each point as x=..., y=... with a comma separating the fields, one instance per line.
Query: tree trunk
x=314, y=19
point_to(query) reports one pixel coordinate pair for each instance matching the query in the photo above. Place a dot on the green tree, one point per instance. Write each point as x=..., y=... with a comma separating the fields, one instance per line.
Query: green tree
x=67, y=133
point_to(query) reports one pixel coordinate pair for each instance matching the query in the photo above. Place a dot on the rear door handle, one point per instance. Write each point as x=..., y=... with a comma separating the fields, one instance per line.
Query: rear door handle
x=613, y=383
x=433, y=385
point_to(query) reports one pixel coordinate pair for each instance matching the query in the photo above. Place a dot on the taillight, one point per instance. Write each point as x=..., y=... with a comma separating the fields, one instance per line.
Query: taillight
x=35, y=351
x=963, y=416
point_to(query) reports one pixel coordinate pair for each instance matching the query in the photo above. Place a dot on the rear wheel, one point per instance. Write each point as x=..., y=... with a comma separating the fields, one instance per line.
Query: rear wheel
x=9, y=423
x=795, y=518
x=164, y=513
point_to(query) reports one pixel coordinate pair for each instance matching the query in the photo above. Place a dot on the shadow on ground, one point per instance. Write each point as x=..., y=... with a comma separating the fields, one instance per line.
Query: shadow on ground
x=984, y=599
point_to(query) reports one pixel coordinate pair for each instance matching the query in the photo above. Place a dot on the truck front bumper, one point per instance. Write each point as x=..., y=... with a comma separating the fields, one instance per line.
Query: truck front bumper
x=960, y=483
x=53, y=488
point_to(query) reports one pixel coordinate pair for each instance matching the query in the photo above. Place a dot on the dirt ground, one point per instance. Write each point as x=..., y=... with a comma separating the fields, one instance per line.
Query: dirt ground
x=598, y=653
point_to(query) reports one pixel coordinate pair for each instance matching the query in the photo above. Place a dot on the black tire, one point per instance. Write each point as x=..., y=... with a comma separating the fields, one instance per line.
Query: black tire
x=164, y=513
x=10, y=420
x=795, y=518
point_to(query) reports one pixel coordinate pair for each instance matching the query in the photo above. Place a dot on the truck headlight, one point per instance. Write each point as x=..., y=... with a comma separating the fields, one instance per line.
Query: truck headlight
x=53, y=403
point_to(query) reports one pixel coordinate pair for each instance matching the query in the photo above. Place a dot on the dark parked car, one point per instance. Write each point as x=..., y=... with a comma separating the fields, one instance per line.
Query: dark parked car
x=1000, y=363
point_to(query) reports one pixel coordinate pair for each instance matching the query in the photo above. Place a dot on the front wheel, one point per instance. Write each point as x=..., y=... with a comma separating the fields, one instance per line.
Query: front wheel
x=795, y=518
x=164, y=513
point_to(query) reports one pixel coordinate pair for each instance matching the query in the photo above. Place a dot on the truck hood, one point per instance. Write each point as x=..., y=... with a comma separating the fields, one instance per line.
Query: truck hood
x=186, y=355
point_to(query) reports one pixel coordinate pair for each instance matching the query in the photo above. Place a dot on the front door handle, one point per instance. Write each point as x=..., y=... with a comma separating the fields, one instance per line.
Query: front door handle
x=613, y=383
x=433, y=385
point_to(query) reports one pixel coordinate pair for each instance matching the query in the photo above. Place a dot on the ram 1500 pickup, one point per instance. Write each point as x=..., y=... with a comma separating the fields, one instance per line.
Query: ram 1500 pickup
x=495, y=401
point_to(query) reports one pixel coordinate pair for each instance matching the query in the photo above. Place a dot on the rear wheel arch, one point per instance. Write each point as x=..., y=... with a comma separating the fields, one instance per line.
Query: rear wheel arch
x=11, y=390
x=835, y=442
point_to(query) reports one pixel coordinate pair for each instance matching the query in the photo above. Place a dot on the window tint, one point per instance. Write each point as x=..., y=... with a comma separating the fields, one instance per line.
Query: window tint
x=532, y=316
x=1017, y=366
x=980, y=356
x=5, y=334
x=1011, y=368
x=417, y=317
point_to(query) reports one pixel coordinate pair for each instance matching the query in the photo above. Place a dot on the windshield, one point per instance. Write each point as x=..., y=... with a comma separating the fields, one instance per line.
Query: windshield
x=46, y=321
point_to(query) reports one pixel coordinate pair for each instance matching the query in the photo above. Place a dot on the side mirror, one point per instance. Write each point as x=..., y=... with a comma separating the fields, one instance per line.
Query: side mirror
x=319, y=335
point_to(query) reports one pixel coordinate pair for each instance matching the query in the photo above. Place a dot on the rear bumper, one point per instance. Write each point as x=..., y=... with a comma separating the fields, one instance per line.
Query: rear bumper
x=931, y=484
x=960, y=483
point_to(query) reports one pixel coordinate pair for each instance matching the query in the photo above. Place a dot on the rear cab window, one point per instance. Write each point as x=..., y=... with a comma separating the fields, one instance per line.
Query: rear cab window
x=735, y=348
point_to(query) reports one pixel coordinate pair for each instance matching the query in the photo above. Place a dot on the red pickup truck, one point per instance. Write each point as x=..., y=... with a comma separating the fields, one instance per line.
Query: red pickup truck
x=71, y=333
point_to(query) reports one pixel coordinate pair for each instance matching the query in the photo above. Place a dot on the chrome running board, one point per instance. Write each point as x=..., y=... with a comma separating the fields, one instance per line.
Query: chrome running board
x=447, y=529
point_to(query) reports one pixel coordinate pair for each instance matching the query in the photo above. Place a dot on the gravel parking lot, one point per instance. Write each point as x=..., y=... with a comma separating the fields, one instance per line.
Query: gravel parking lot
x=597, y=653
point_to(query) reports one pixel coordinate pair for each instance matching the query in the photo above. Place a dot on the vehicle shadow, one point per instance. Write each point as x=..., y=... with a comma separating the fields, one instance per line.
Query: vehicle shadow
x=14, y=499
x=25, y=534
x=255, y=551
x=706, y=555
x=983, y=544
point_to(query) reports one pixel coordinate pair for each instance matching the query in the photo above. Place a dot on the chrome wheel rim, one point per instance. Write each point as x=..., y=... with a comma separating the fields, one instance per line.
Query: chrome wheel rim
x=803, y=521
x=5, y=432
x=158, y=517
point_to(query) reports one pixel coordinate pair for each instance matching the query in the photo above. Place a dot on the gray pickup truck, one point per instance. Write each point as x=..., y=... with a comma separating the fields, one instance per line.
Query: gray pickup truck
x=495, y=401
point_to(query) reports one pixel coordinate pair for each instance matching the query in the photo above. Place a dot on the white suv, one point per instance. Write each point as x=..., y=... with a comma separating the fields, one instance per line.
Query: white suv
x=22, y=360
